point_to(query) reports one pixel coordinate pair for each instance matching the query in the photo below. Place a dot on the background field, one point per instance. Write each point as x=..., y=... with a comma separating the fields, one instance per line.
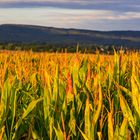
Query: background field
x=69, y=96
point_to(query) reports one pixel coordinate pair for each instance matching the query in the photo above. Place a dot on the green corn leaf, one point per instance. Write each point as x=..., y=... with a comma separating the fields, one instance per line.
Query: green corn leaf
x=46, y=104
x=6, y=95
x=59, y=133
x=97, y=112
x=55, y=95
x=123, y=130
x=56, y=84
x=30, y=107
x=135, y=94
x=72, y=122
x=110, y=127
x=51, y=124
x=84, y=135
x=83, y=71
x=127, y=112
x=99, y=135
x=87, y=120
x=75, y=77
x=116, y=133
x=127, y=91
x=35, y=135
x=13, y=102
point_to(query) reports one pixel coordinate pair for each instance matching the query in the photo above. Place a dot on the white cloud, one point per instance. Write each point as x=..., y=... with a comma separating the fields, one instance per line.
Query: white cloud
x=68, y=18
x=65, y=1
x=61, y=1
x=123, y=16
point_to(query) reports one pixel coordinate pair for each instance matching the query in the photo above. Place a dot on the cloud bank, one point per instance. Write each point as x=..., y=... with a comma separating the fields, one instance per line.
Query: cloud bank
x=87, y=14
x=116, y=5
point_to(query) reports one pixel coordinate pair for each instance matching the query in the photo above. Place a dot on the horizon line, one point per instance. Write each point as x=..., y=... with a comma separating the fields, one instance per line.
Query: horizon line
x=66, y=28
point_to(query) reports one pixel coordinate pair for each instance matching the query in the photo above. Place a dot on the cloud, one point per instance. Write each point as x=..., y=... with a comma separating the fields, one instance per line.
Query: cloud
x=77, y=4
x=71, y=18
x=88, y=14
x=114, y=5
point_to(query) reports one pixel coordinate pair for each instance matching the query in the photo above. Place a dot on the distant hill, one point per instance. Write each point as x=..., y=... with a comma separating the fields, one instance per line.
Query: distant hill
x=28, y=34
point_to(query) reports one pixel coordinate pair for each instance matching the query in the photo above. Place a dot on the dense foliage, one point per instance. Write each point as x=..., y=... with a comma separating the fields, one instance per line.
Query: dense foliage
x=69, y=96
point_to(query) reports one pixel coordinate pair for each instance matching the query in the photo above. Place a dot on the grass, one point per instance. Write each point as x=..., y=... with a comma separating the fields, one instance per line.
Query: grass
x=69, y=96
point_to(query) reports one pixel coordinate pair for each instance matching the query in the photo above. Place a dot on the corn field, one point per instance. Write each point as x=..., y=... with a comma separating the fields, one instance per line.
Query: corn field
x=69, y=96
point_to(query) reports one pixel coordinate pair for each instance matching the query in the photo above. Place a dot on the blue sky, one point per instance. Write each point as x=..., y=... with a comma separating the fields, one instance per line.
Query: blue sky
x=83, y=14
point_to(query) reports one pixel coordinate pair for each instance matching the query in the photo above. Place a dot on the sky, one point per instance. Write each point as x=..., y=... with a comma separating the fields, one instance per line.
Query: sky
x=81, y=14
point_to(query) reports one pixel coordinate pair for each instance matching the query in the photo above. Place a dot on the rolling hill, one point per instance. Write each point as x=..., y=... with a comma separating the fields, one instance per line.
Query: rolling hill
x=29, y=34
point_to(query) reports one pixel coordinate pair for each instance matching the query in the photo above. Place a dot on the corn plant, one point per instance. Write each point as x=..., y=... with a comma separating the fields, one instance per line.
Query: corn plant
x=69, y=96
